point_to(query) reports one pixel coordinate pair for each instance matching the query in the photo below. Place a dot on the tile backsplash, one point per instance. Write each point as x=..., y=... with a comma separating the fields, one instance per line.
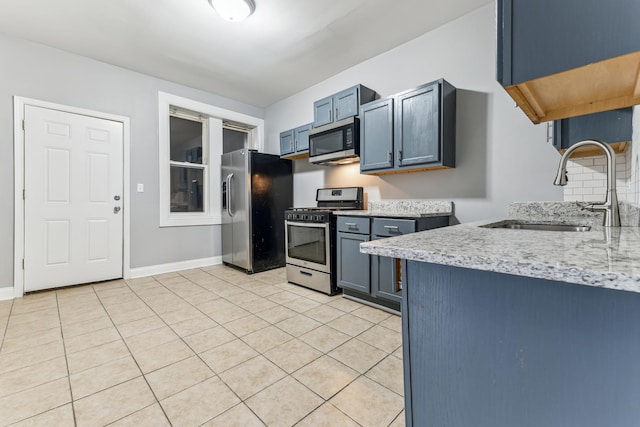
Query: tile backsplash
x=588, y=179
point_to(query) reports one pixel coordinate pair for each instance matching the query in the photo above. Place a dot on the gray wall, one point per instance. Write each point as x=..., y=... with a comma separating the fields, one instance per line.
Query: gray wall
x=39, y=72
x=501, y=156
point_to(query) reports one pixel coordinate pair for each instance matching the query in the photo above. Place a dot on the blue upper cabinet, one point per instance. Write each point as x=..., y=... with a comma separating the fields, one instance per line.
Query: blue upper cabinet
x=294, y=143
x=614, y=127
x=567, y=58
x=410, y=131
x=341, y=105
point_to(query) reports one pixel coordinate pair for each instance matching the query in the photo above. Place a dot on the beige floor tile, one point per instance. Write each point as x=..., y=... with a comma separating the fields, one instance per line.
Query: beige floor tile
x=113, y=403
x=393, y=322
x=292, y=355
x=265, y=290
x=246, y=325
x=211, y=338
x=61, y=416
x=47, y=313
x=34, y=401
x=368, y=403
x=327, y=416
x=283, y=297
x=224, y=313
x=371, y=314
x=382, y=338
x=163, y=355
x=200, y=403
x=91, y=339
x=398, y=353
x=252, y=376
x=389, y=373
x=399, y=421
x=31, y=376
x=140, y=326
x=27, y=328
x=126, y=316
x=325, y=338
x=238, y=416
x=358, y=355
x=203, y=295
x=326, y=376
x=177, y=377
x=164, y=276
x=324, y=313
x=153, y=338
x=242, y=297
x=73, y=329
x=104, y=376
x=30, y=356
x=28, y=304
x=301, y=305
x=298, y=325
x=140, y=280
x=267, y=338
x=284, y=403
x=96, y=356
x=10, y=345
x=344, y=304
x=258, y=305
x=228, y=355
x=350, y=324
x=193, y=325
x=180, y=315
x=320, y=297
x=88, y=313
x=149, y=416
x=276, y=314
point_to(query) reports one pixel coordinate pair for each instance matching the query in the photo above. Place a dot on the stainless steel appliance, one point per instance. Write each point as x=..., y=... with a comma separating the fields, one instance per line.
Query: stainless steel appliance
x=256, y=190
x=310, y=238
x=336, y=143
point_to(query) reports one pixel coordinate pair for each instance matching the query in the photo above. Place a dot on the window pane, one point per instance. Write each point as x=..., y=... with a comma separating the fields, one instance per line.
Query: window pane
x=233, y=140
x=186, y=189
x=186, y=140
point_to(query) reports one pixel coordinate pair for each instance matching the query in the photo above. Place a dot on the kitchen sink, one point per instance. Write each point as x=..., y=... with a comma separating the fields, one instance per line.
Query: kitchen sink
x=517, y=225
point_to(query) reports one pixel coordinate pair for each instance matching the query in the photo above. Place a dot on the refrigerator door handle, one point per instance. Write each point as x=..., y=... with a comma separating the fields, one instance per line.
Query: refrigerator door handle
x=229, y=194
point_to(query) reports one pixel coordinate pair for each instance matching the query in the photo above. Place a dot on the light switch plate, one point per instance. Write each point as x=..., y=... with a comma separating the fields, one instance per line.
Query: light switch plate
x=140, y=188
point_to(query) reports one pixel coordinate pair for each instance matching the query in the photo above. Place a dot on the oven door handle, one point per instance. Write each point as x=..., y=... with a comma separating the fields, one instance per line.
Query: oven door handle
x=308, y=224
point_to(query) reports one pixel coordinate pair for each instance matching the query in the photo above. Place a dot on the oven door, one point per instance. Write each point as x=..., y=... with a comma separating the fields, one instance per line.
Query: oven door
x=308, y=245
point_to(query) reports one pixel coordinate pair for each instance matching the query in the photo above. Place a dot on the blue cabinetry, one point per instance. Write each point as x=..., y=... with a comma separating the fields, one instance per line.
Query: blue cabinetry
x=294, y=143
x=410, y=131
x=613, y=127
x=341, y=105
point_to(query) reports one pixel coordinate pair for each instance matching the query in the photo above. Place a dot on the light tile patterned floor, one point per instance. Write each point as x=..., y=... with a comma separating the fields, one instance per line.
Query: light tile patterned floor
x=210, y=346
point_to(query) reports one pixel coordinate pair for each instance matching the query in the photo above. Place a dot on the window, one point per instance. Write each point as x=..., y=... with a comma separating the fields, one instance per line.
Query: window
x=191, y=142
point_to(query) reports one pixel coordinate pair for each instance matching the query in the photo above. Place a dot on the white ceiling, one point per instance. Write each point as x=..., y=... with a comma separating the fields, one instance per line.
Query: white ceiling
x=284, y=47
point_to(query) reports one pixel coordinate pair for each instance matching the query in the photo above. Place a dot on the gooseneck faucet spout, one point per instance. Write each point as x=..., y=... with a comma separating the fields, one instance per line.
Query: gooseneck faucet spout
x=610, y=205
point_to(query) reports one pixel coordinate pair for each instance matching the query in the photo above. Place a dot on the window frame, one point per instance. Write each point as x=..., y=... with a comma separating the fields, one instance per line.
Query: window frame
x=212, y=145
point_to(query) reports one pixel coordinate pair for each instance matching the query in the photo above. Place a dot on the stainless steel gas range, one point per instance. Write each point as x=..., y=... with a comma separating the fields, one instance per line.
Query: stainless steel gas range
x=310, y=238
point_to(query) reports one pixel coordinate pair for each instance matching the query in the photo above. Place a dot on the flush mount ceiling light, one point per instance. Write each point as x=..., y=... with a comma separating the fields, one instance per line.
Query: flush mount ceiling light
x=233, y=10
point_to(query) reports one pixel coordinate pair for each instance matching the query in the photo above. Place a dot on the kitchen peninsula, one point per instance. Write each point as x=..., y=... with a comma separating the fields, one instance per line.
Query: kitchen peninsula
x=505, y=327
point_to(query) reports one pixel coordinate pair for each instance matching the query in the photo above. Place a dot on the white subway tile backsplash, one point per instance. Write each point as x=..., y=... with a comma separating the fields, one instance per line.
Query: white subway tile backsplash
x=588, y=179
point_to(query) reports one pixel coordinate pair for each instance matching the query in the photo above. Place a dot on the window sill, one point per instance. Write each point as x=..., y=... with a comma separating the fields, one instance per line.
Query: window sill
x=190, y=220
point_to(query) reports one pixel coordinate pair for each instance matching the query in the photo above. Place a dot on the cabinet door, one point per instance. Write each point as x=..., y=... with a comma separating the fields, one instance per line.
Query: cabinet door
x=346, y=103
x=286, y=142
x=376, y=135
x=353, y=267
x=323, y=112
x=418, y=126
x=607, y=126
x=386, y=277
x=301, y=136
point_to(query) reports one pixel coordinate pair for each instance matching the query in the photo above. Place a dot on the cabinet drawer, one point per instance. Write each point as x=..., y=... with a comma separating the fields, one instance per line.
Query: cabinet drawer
x=351, y=224
x=393, y=227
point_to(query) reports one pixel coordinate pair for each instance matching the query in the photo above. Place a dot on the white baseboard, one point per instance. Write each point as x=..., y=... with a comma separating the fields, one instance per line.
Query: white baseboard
x=173, y=266
x=7, y=293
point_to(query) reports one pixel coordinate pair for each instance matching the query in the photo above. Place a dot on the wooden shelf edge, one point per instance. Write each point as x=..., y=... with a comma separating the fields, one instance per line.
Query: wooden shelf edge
x=618, y=147
x=398, y=171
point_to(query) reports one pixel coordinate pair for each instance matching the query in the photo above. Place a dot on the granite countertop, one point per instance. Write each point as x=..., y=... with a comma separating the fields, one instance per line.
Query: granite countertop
x=607, y=257
x=403, y=209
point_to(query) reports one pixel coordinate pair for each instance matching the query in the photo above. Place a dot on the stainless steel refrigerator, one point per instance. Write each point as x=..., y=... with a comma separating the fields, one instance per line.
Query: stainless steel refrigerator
x=256, y=190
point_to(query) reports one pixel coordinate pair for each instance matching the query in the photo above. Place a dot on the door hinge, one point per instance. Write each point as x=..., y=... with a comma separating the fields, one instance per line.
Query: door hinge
x=23, y=195
x=23, y=128
x=23, y=263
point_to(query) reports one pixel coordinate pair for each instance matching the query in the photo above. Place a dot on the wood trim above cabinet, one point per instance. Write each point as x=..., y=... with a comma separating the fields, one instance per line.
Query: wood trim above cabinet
x=590, y=151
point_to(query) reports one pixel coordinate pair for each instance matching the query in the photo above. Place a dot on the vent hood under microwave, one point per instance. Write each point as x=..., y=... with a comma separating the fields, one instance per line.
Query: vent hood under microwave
x=335, y=143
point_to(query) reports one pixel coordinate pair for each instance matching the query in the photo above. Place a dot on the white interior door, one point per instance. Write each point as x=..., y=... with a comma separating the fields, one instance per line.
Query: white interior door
x=73, y=199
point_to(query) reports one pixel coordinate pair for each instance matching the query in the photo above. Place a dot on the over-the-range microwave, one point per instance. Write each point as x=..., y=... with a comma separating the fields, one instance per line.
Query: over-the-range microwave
x=336, y=143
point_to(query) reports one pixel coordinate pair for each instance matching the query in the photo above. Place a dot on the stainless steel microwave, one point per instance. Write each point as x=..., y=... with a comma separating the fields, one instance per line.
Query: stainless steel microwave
x=336, y=143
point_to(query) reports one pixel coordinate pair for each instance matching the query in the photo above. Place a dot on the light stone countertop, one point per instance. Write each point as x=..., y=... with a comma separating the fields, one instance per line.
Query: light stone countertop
x=403, y=209
x=607, y=257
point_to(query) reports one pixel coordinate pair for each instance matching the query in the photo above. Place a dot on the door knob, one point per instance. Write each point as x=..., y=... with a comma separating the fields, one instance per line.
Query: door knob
x=116, y=209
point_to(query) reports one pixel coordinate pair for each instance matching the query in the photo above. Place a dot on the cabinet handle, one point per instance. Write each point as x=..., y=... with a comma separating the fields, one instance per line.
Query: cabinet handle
x=350, y=224
x=392, y=227
x=399, y=155
x=389, y=157
x=336, y=118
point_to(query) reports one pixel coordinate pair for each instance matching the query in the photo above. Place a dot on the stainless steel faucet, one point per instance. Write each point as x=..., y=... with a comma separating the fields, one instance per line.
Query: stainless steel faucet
x=610, y=205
